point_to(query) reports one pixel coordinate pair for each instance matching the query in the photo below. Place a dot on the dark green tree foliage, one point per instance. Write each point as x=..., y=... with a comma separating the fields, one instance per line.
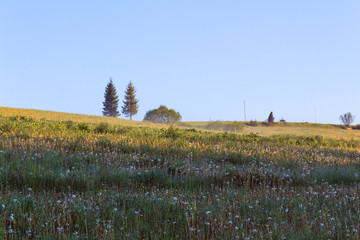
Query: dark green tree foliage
x=271, y=119
x=130, y=107
x=111, y=102
x=162, y=115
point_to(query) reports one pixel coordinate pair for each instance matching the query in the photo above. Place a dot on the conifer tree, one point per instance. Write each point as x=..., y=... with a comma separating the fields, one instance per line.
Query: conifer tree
x=271, y=119
x=111, y=102
x=130, y=107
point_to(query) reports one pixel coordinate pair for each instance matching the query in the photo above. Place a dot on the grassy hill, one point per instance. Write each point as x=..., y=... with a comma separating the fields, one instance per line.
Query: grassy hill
x=301, y=129
x=63, y=117
x=69, y=176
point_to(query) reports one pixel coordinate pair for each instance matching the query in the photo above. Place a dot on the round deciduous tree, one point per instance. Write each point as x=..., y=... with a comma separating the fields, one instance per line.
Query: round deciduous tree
x=162, y=115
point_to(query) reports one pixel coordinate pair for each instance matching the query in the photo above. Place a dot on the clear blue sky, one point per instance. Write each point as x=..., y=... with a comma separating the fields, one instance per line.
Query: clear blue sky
x=202, y=58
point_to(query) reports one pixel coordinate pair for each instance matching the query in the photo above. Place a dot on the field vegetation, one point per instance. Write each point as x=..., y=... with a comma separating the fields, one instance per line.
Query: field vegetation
x=72, y=176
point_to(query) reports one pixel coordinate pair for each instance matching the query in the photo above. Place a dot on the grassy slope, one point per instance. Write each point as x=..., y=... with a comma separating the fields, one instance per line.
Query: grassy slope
x=59, y=181
x=60, y=116
x=302, y=129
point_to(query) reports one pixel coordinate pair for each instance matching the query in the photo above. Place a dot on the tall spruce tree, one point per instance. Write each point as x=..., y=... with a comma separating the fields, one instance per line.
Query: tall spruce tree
x=111, y=102
x=130, y=107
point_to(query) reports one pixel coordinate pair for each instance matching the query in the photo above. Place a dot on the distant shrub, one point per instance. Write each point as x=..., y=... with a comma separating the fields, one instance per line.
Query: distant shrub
x=21, y=118
x=83, y=127
x=192, y=130
x=250, y=138
x=357, y=127
x=282, y=120
x=70, y=125
x=253, y=123
x=102, y=128
x=172, y=132
x=122, y=129
x=347, y=119
x=14, y=118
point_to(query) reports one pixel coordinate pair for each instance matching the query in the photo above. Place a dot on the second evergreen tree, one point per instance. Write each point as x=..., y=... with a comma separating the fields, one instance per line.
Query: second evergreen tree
x=130, y=107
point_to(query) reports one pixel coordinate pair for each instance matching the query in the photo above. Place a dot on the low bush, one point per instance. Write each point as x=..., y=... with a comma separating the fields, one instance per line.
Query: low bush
x=102, y=128
x=253, y=123
x=83, y=127
x=356, y=127
x=70, y=125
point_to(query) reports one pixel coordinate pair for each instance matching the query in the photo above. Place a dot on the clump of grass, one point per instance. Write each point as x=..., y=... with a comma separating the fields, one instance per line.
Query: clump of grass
x=70, y=125
x=336, y=175
x=6, y=127
x=102, y=128
x=83, y=127
x=253, y=123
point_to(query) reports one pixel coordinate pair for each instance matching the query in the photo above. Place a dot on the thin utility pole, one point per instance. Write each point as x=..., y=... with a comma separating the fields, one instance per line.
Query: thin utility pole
x=315, y=116
x=244, y=111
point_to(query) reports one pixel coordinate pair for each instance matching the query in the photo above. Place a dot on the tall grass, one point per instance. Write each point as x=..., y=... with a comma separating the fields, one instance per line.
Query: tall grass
x=92, y=180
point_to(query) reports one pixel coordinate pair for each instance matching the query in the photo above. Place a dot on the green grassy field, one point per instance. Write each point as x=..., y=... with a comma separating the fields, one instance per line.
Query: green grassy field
x=68, y=176
x=300, y=129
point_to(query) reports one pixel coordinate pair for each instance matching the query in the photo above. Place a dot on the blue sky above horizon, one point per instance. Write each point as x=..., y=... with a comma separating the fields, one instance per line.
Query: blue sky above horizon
x=201, y=58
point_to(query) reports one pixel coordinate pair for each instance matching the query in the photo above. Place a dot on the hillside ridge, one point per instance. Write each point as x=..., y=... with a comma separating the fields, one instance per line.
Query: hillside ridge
x=291, y=128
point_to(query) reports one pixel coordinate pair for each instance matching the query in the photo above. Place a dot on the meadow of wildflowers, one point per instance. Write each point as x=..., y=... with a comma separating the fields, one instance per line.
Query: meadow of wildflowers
x=68, y=180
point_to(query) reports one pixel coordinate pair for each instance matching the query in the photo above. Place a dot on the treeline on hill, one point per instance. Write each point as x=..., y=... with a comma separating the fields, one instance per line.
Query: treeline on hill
x=111, y=103
x=130, y=107
x=165, y=115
